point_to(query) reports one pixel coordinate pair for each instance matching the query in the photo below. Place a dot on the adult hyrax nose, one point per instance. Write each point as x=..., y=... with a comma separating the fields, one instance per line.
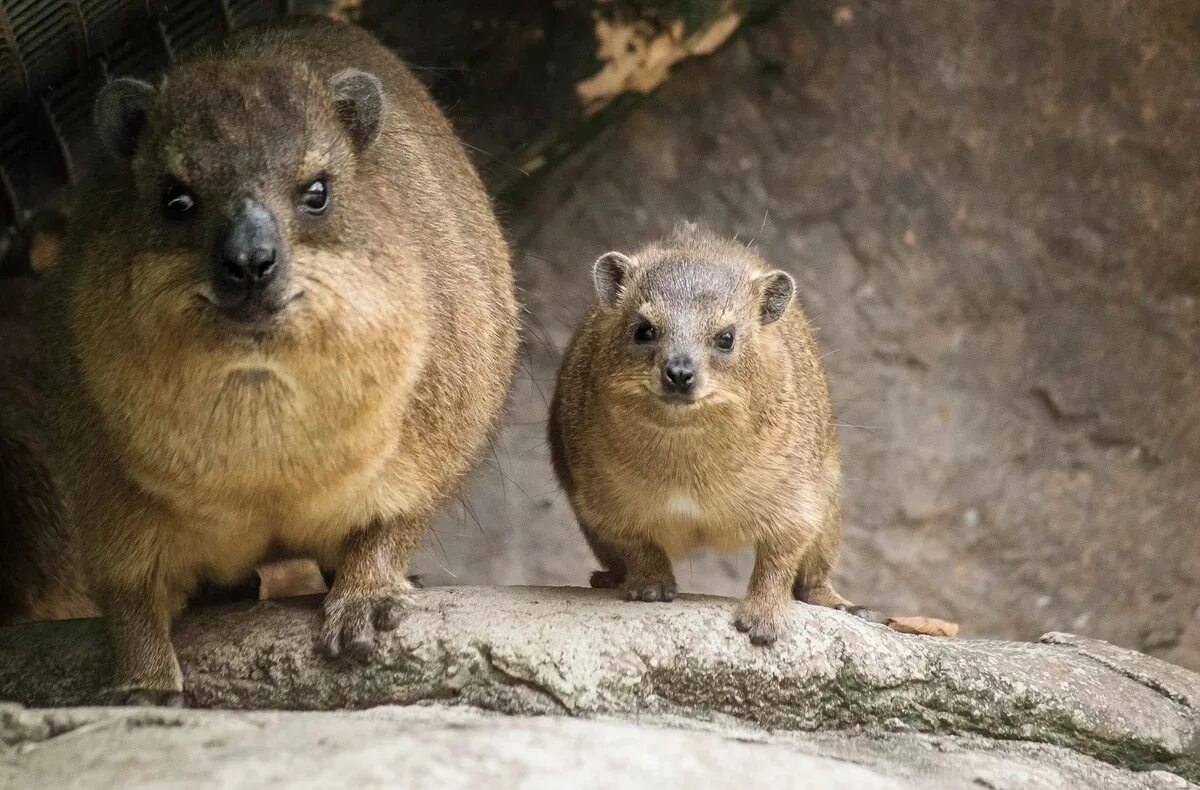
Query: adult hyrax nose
x=679, y=375
x=248, y=256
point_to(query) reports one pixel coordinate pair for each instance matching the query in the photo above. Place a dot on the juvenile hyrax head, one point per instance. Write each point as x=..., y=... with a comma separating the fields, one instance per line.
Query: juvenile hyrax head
x=683, y=322
x=239, y=178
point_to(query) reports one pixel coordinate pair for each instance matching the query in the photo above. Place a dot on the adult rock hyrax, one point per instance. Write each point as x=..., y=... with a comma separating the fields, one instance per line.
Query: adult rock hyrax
x=283, y=325
x=692, y=410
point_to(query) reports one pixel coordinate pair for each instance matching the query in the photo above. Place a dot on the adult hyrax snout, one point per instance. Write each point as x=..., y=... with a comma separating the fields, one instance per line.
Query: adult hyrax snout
x=283, y=326
x=692, y=410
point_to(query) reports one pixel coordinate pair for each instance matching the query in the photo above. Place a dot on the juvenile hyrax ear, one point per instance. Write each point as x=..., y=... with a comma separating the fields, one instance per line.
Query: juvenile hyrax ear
x=610, y=275
x=120, y=114
x=776, y=290
x=358, y=97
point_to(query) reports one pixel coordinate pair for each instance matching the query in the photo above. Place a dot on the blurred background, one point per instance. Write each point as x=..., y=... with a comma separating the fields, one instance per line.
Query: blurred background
x=993, y=213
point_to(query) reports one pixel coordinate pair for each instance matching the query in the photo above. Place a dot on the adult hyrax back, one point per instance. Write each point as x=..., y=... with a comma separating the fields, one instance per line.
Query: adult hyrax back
x=284, y=325
x=692, y=410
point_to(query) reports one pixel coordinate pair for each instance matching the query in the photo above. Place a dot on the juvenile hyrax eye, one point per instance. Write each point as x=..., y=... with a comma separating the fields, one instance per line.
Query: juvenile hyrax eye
x=177, y=201
x=724, y=340
x=644, y=332
x=314, y=197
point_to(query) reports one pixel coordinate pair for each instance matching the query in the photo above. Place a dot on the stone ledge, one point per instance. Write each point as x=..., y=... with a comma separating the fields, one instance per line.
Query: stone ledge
x=578, y=652
x=460, y=747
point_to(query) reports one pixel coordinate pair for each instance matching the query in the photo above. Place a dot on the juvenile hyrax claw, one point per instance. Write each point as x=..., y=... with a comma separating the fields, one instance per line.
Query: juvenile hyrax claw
x=648, y=591
x=870, y=615
x=354, y=622
x=164, y=698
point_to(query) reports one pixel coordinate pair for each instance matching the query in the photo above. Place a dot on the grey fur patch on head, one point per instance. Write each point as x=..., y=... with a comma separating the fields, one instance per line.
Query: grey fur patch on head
x=686, y=227
x=610, y=274
x=120, y=114
x=777, y=289
x=358, y=97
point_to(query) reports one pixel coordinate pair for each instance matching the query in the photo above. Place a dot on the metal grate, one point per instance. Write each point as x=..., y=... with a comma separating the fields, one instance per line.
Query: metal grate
x=54, y=56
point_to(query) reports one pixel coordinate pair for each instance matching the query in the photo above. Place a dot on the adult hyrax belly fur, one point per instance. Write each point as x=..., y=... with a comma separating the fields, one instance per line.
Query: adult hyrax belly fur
x=284, y=325
x=692, y=410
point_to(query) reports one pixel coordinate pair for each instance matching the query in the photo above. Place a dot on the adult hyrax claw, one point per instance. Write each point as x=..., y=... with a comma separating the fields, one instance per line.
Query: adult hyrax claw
x=648, y=591
x=353, y=622
x=164, y=698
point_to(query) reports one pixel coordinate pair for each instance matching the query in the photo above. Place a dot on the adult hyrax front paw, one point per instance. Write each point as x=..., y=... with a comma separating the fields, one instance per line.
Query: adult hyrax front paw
x=355, y=620
x=649, y=590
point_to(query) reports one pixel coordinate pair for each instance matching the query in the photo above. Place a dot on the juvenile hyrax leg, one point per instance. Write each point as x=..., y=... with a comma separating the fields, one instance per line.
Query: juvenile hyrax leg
x=812, y=585
x=763, y=612
x=614, y=570
x=370, y=588
x=649, y=576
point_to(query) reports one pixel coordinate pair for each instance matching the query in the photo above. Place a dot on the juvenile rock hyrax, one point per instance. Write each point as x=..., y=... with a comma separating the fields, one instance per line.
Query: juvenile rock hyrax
x=283, y=325
x=692, y=410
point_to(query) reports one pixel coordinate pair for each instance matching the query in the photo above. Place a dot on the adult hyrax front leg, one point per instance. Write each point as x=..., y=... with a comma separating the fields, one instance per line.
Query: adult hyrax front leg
x=283, y=325
x=692, y=410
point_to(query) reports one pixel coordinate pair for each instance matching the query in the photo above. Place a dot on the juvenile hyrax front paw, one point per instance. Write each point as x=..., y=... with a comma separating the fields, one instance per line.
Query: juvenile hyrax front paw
x=354, y=620
x=649, y=590
x=763, y=628
x=692, y=410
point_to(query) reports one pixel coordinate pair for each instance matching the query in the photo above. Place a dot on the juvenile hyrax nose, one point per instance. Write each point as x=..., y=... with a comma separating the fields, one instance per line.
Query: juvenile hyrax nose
x=679, y=375
x=248, y=249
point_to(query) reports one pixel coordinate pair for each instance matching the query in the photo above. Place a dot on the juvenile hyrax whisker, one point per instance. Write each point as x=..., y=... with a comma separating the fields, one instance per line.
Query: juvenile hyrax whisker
x=255, y=336
x=692, y=410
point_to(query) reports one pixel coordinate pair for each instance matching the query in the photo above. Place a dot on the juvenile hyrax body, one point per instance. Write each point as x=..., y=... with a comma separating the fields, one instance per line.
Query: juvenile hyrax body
x=692, y=410
x=283, y=325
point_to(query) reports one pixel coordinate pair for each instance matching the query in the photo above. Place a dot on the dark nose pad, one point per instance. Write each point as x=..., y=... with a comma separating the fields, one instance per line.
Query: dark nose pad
x=247, y=251
x=248, y=264
x=679, y=375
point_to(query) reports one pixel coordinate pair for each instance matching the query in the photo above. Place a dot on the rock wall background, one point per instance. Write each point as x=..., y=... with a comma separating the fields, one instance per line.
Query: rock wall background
x=992, y=209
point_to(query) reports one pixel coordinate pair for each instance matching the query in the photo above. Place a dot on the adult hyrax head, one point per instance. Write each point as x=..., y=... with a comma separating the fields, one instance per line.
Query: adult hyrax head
x=245, y=180
x=681, y=324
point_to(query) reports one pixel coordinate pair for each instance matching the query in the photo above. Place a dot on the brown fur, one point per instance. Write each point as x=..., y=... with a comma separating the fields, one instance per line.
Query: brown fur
x=192, y=453
x=753, y=461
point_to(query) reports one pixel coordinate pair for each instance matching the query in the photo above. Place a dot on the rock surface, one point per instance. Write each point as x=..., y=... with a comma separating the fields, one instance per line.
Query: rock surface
x=460, y=748
x=576, y=652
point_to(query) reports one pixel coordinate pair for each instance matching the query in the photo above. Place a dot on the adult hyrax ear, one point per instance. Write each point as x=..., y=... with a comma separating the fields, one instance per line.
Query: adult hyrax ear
x=611, y=274
x=358, y=97
x=120, y=114
x=776, y=290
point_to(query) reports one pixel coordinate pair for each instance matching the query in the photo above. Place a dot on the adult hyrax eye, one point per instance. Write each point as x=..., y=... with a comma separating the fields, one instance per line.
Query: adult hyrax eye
x=314, y=197
x=178, y=202
x=644, y=332
x=724, y=339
